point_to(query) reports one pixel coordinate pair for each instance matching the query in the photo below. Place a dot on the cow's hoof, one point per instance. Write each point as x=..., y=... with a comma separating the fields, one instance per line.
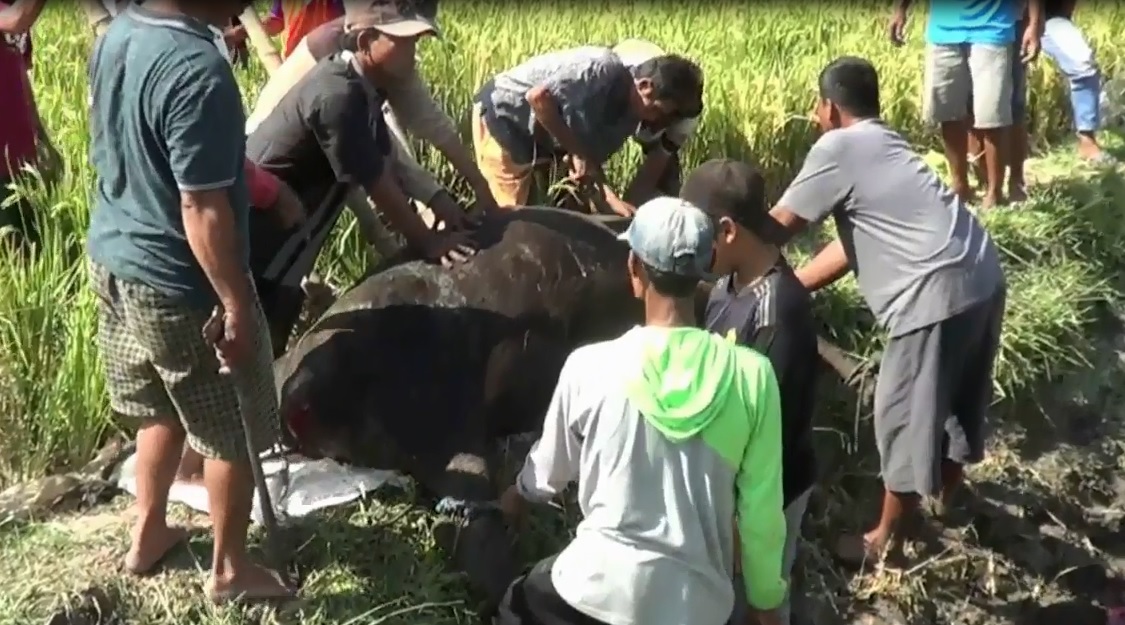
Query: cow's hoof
x=445, y=535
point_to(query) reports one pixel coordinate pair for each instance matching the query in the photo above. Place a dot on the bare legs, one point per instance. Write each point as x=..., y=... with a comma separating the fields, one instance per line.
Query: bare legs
x=158, y=449
x=1017, y=153
x=897, y=508
x=230, y=491
x=955, y=139
x=960, y=139
x=162, y=458
x=190, y=470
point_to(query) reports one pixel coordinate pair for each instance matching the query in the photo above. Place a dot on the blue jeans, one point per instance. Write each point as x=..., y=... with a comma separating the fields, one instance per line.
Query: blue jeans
x=1065, y=43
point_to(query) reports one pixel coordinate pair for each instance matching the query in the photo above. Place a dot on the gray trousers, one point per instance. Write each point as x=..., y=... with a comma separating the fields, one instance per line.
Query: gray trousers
x=932, y=396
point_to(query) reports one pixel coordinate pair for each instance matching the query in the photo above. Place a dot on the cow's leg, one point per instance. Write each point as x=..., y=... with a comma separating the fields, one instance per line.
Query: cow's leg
x=477, y=538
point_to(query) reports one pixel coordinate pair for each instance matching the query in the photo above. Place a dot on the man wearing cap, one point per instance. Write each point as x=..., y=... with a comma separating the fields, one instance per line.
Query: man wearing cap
x=759, y=302
x=671, y=432
x=327, y=135
x=930, y=273
x=409, y=107
x=581, y=105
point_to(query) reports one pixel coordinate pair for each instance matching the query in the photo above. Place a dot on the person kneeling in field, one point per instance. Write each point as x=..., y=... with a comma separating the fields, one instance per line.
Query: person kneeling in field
x=168, y=242
x=927, y=269
x=409, y=105
x=671, y=431
x=760, y=303
x=581, y=105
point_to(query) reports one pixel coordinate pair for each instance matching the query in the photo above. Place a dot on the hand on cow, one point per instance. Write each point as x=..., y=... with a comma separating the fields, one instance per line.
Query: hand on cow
x=447, y=211
x=449, y=248
x=513, y=506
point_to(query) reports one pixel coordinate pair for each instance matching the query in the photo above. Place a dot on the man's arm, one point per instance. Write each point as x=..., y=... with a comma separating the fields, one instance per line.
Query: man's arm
x=657, y=161
x=18, y=17
x=341, y=123
x=569, y=88
x=818, y=188
x=203, y=131
x=420, y=114
x=761, y=515
x=553, y=461
x=829, y=265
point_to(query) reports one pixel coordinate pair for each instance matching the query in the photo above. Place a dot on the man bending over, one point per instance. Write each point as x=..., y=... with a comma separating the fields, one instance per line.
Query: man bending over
x=929, y=272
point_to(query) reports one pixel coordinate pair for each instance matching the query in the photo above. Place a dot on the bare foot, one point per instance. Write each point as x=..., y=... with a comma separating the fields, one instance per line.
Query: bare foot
x=991, y=200
x=151, y=546
x=1017, y=193
x=251, y=584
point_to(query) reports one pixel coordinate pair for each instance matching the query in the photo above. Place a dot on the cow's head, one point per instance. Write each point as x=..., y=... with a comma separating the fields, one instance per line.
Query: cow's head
x=322, y=400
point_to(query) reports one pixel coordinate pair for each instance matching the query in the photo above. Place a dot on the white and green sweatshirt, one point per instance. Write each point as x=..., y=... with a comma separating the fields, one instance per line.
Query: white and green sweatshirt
x=672, y=433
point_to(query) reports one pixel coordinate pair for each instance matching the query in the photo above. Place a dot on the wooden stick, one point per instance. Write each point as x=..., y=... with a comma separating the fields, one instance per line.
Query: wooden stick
x=261, y=42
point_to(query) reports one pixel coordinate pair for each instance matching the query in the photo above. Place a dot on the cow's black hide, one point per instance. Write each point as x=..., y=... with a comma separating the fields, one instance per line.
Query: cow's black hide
x=421, y=368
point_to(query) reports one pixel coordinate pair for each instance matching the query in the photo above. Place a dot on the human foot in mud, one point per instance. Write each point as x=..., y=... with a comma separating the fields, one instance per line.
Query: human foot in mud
x=152, y=543
x=899, y=509
x=248, y=583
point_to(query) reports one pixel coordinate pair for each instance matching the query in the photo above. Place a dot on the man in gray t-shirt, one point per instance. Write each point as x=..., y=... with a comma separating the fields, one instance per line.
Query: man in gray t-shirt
x=930, y=273
x=583, y=103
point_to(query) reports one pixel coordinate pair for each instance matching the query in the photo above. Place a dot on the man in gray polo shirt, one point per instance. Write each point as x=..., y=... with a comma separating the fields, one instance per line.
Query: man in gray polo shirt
x=930, y=273
x=583, y=103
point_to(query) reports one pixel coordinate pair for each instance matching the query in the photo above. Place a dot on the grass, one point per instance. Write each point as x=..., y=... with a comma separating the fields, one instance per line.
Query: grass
x=377, y=563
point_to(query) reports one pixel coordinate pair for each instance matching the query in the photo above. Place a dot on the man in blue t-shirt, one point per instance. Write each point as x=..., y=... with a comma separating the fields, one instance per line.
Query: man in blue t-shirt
x=168, y=243
x=970, y=50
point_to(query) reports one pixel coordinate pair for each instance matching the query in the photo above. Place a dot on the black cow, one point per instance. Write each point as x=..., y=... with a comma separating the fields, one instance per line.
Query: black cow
x=421, y=368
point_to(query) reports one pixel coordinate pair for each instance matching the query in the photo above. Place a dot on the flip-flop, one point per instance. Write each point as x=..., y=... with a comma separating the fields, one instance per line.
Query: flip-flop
x=160, y=560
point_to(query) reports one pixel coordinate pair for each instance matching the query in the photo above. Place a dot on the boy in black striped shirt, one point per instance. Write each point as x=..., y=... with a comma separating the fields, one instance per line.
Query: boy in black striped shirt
x=760, y=303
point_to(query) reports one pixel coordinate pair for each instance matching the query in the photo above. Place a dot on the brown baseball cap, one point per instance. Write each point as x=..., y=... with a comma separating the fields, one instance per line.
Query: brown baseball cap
x=397, y=18
x=733, y=189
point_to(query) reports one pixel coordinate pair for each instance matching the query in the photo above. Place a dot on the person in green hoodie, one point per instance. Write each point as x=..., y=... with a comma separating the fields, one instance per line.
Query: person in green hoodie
x=674, y=436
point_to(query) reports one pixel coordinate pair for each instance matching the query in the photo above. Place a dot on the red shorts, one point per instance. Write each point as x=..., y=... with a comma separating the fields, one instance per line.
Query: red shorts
x=264, y=186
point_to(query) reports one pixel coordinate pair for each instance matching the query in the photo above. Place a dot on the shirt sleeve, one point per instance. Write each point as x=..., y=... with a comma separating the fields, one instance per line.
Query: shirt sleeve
x=820, y=186
x=580, y=83
x=553, y=461
x=342, y=124
x=761, y=514
x=202, y=123
x=420, y=114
